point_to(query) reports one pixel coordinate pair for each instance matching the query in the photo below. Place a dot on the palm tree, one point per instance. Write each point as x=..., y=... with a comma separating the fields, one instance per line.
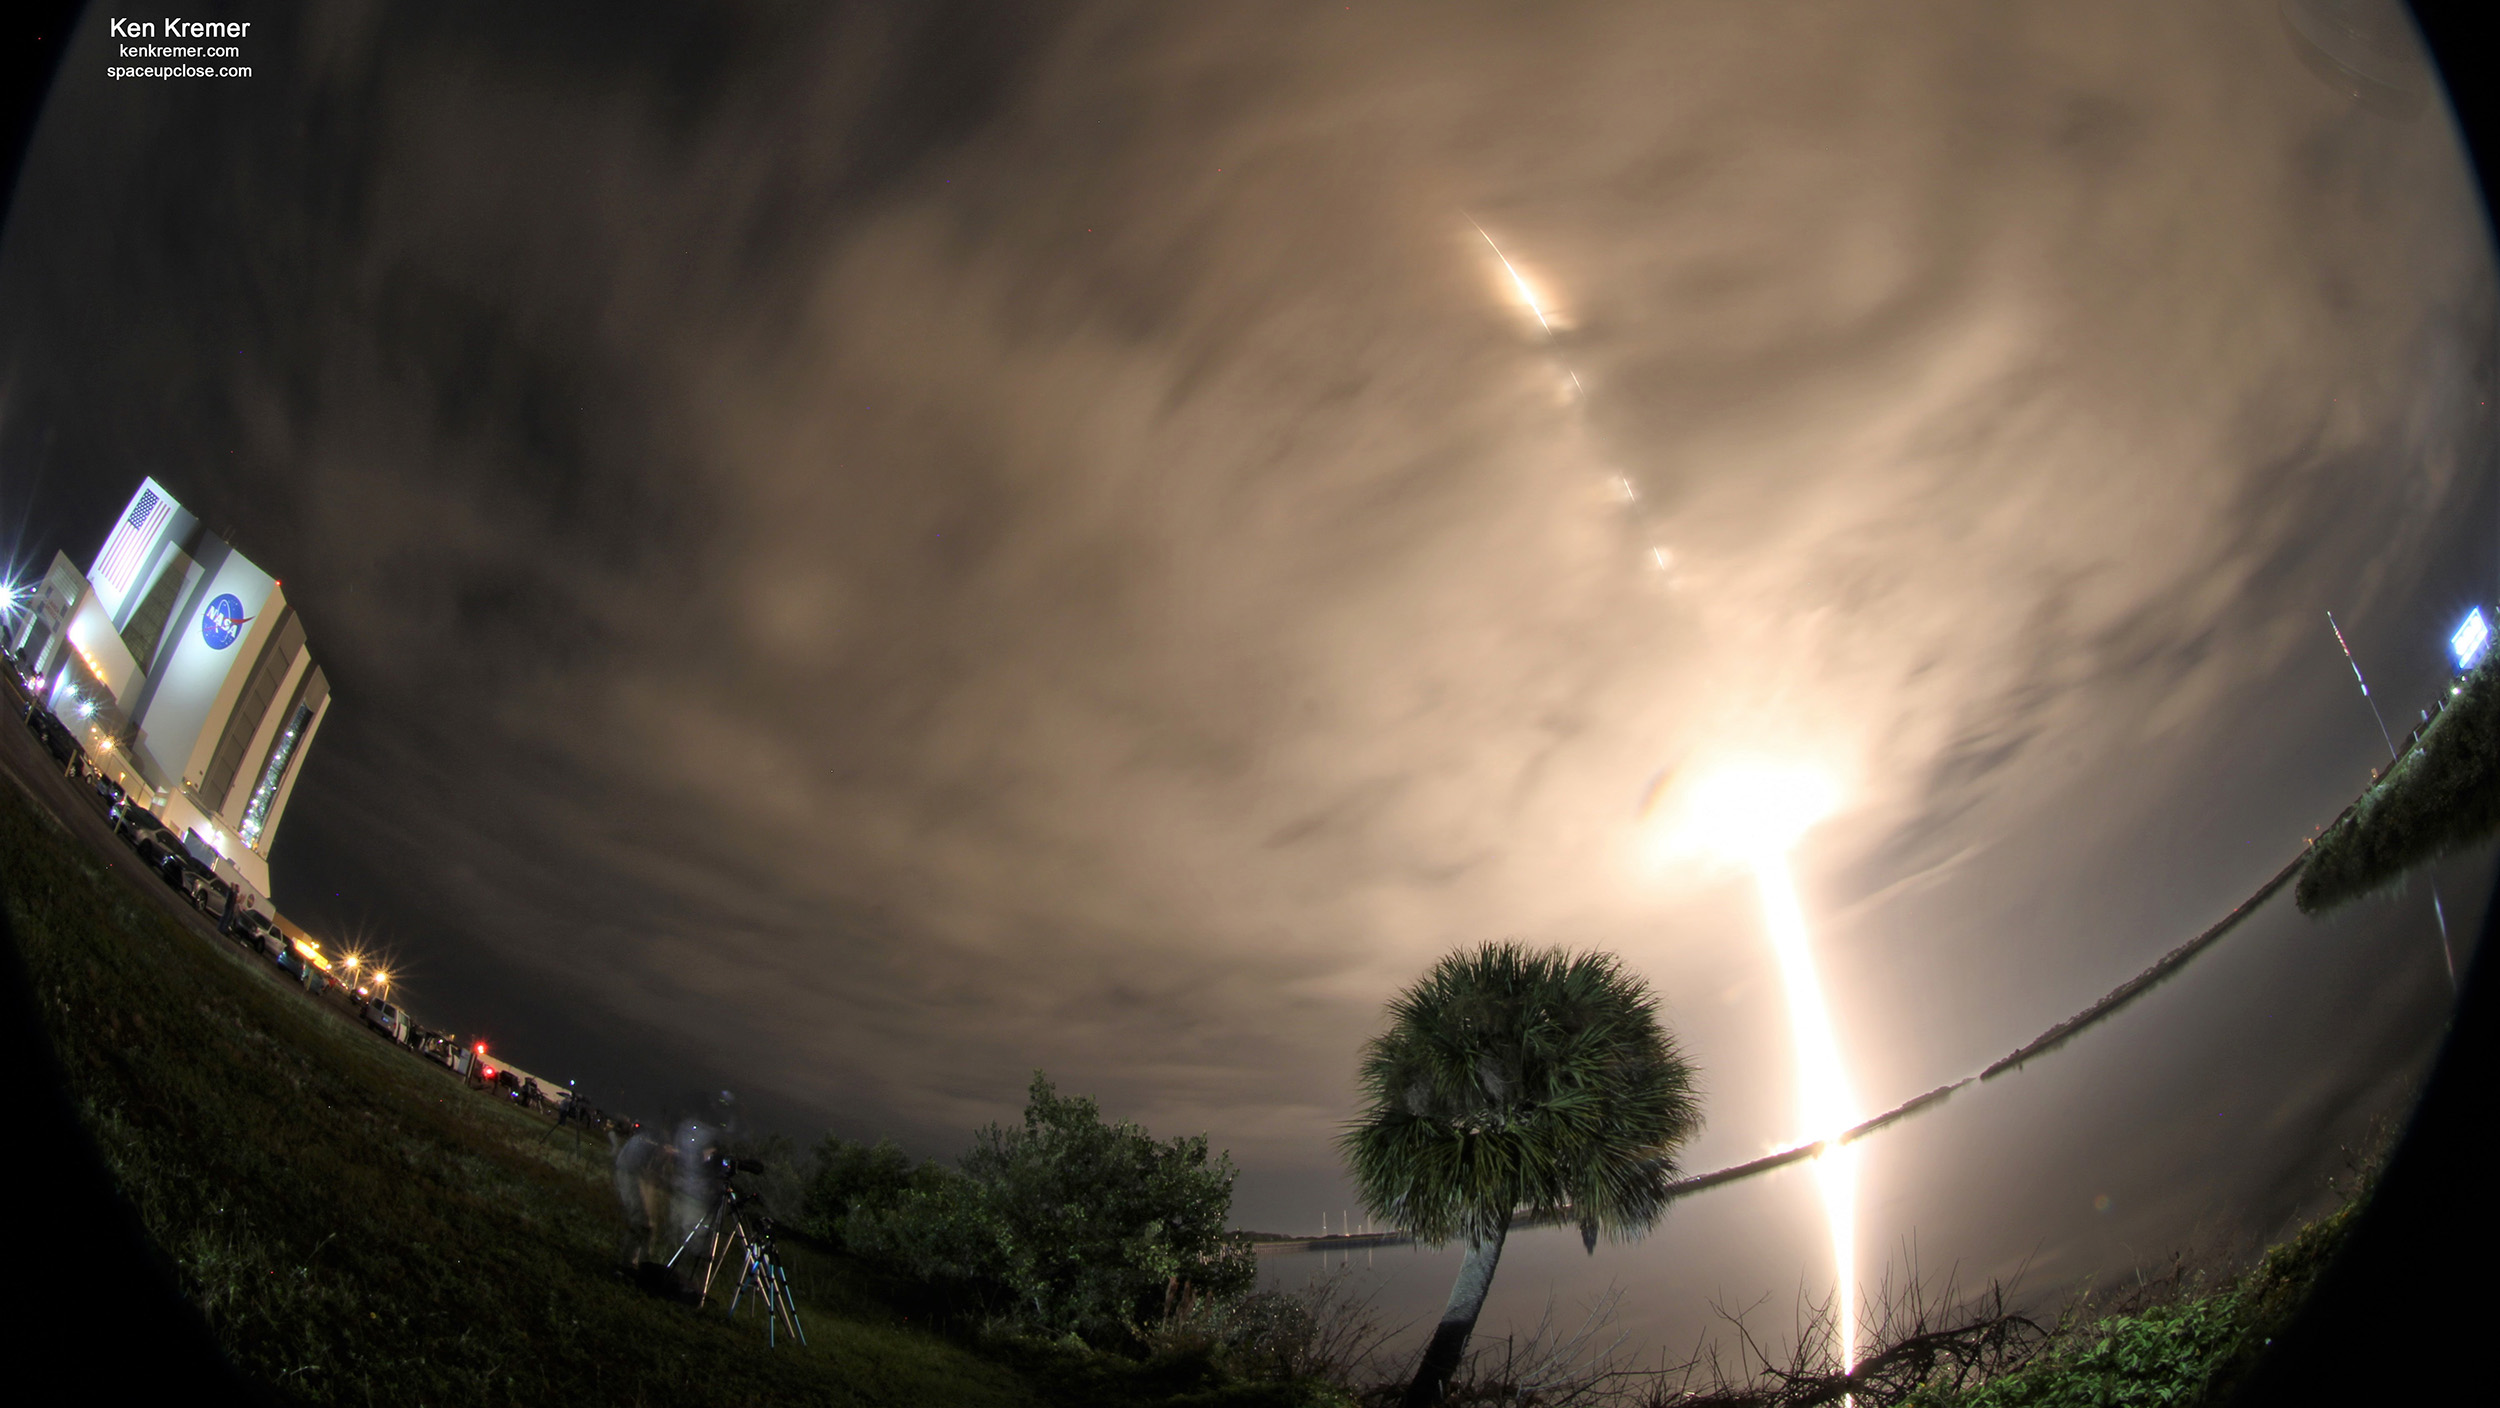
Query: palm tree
x=1515, y=1081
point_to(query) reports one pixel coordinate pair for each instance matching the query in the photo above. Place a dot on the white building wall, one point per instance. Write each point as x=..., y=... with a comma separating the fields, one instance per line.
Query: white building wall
x=199, y=680
x=256, y=757
x=100, y=646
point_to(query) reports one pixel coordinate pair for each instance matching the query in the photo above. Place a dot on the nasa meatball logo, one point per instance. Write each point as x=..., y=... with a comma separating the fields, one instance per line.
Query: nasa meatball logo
x=222, y=623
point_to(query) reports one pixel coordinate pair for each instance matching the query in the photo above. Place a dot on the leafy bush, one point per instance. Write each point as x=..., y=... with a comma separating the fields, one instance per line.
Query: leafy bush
x=2163, y=1356
x=847, y=1177
x=1270, y=1336
x=2190, y=1352
x=1068, y=1226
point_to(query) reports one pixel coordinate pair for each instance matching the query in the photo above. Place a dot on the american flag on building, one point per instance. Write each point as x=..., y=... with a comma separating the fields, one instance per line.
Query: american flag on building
x=131, y=537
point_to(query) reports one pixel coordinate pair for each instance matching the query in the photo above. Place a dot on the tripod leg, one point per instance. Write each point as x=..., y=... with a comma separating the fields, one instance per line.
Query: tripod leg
x=724, y=1220
x=696, y=1231
x=768, y=1290
x=763, y=1295
x=778, y=1295
x=746, y=1274
x=681, y=1246
x=790, y=1305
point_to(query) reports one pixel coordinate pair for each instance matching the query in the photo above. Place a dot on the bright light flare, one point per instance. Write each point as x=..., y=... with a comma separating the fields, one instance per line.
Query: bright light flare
x=1747, y=810
x=1752, y=812
x=2472, y=636
x=1825, y=1103
x=1518, y=281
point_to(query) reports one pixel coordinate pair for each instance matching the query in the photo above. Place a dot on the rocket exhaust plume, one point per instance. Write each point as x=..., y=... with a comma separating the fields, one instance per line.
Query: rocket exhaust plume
x=1824, y=1098
x=1753, y=814
x=1527, y=295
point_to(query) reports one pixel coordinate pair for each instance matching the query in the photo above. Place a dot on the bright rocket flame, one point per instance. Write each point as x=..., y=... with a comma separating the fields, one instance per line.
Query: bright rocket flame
x=1749, y=809
x=1527, y=294
x=1753, y=812
x=1824, y=1099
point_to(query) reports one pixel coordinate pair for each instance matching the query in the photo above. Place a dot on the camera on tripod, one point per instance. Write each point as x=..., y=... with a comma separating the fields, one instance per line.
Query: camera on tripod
x=722, y=1167
x=737, y=1224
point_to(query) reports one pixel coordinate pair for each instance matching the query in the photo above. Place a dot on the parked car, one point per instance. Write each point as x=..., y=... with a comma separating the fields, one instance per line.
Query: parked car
x=146, y=834
x=386, y=1019
x=205, y=891
x=155, y=846
x=253, y=929
x=57, y=739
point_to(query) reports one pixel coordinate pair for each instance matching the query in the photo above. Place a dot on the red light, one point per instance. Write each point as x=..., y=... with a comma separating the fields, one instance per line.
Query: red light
x=490, y=1072
x=481, y=1048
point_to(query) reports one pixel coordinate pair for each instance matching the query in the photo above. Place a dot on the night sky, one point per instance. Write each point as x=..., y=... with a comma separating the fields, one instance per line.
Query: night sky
x=864, y=551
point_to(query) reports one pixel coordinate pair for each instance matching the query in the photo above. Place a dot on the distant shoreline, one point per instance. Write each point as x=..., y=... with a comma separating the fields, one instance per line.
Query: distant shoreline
x=1264, y=1243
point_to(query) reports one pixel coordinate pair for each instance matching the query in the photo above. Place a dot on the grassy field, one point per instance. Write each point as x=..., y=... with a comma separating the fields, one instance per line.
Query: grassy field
x=356, y=1224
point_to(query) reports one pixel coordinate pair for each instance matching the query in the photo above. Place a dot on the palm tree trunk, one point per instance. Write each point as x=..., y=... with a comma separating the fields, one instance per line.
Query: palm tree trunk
x=1458, y=1320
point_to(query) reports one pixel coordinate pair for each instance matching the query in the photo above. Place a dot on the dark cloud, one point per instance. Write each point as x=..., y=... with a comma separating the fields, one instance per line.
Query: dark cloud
x=862, y=553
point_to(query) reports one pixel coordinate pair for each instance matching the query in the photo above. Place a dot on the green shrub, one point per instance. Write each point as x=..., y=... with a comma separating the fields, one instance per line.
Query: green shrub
x=2160, y=1357
x=1068, y=1226
x=847, y=1177
x=1265, y=1337
x=2190, y=1353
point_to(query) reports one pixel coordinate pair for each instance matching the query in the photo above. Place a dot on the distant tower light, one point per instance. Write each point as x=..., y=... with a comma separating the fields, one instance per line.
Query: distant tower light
x=2472, y=638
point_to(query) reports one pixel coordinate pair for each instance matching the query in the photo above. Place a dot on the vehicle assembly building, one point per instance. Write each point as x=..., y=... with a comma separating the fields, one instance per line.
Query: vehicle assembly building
x=180, y=667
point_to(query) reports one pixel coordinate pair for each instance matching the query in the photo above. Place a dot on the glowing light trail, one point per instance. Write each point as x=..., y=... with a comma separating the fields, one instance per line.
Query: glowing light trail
x=1823, y=1094
x=1527, y=295
x=1753, y=813
x=2118, y=998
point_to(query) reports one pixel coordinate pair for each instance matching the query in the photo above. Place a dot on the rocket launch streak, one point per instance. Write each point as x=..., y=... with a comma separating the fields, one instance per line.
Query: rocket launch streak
x=1527, y=295
x=1824, y=1098
x=1754, y=814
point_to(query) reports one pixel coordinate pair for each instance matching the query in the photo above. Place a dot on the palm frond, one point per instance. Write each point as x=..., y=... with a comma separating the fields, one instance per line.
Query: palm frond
x=1515, y=1080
